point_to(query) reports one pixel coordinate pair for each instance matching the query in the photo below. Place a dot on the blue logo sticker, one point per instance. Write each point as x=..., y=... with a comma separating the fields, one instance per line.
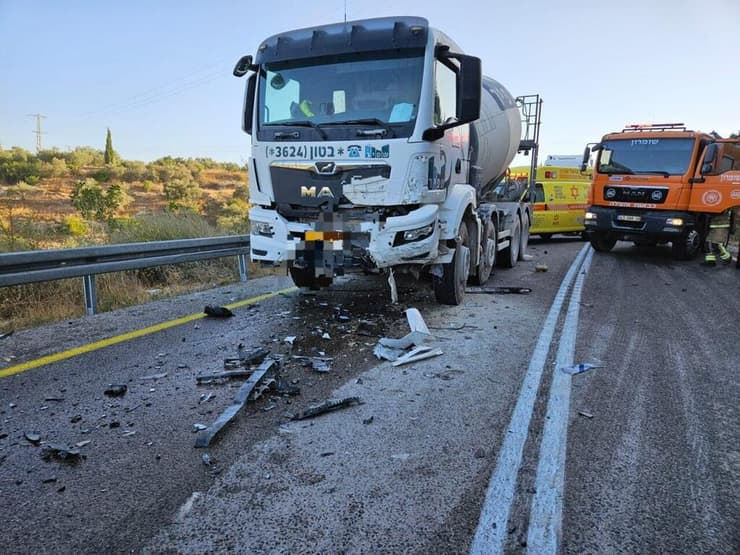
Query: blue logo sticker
x=353, y=151
x=382, y=152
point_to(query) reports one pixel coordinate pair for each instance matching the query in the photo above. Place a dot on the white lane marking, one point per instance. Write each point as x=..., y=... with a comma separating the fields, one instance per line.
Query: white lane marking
x=546, y=514
x=491, y=532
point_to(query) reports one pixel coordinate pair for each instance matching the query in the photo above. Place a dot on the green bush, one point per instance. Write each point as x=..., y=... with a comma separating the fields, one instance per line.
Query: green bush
x=75, y=226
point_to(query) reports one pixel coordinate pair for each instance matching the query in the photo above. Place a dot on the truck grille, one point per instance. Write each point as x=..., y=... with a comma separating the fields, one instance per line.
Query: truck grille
x=649, y=195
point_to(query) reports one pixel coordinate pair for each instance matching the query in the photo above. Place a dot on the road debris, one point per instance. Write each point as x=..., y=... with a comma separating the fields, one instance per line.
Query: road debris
x=154, y=376
x=422, y=352
x=51, y=398
x=586, y=414
x=6, y=335
x=82, y=443
x=208, y=378
x=206, y=436
x=281, y=387
x=290, y=339
x=578, y=368
x=218, y=312
x=325, y=335
x=499, y=290
x=540, y=267
x=393, y=349
x=326, y=406
x=198, y=427
x=206, y=458
x=32, y=438
x=368, y=420
x=61, y=453
x=367, y=328
x=116, y=390
x=205, y=397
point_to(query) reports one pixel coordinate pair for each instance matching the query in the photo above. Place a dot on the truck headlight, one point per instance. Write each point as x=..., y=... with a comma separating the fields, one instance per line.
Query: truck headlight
x=675, y=222
x=418, y=233
x=590, y=216
x=263, y=228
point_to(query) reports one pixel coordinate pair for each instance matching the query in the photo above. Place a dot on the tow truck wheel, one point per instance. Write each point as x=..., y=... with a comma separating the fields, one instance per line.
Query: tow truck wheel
x=686, y=247
x=602, y=243
x=488, y=258
x=525, y=237
x=450, y=288
x=511, y=253
x=305, y=277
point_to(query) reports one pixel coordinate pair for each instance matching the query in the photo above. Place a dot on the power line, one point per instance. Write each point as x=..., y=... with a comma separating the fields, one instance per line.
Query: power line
x=38, y=130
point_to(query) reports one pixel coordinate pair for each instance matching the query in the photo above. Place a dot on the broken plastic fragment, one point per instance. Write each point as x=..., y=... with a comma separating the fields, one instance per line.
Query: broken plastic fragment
x=290, y=339
x=578, y=368
x=327, y=406
x=218, y=312
x=61, y=453
x=417, y=354
x=394, y=288
x=116, y=390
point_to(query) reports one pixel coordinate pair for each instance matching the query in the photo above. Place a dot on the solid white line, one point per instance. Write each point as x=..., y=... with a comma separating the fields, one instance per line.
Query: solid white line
x=546, y=514
x=491, y=532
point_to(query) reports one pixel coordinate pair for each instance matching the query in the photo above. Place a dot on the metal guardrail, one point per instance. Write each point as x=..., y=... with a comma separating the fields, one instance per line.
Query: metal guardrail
x=18, y=268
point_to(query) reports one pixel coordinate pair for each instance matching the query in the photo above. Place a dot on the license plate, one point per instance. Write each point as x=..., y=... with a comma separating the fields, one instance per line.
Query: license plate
x=628, y=218
x=324, y=236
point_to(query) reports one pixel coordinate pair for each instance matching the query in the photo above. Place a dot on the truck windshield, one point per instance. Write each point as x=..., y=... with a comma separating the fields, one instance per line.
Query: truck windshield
x=642, y=156
x=378, y=92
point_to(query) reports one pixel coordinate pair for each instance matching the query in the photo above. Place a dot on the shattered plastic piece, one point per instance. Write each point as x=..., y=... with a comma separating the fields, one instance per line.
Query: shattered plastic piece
x=327, y=406
x=61, y=453
x=325, y=335
x=416, y=321
x=207, y=378
x=586, y=414
x=282, y=387
x=394, y=288
x=33, y=438
x=387, y=353
x=116, y=390
x=205, y=397
x=256, y=355
x=154, y=376
x=198, y=427
x=206, y=458
x=367, y=328
x=76, y=418
x=290, y=339
x=578, y=368
x=417, y=354
x=218, y=312
x=206, y=436
x=541, y=267
x=82, y=443
x=410, y=339
x=368, y=420
x=128, y=433
x=320, y=365
x=58, y=399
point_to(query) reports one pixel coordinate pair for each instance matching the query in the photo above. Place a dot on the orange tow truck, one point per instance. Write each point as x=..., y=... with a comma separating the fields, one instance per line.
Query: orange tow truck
x=660, y=183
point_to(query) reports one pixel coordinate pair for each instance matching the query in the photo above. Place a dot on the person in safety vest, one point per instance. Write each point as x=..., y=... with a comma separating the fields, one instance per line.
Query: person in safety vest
x=717, y=238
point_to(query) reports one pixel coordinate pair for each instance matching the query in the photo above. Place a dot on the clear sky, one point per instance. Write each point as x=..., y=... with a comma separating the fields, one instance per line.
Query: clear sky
x=158, y=72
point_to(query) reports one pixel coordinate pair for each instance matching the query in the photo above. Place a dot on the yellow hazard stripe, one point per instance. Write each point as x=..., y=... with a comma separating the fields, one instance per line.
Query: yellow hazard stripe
x=56, y=357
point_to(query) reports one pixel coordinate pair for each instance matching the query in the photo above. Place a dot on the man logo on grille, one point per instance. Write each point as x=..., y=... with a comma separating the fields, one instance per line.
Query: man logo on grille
x=326, y=167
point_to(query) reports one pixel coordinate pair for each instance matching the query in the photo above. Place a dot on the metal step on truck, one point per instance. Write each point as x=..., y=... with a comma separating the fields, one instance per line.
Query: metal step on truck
x=377, y=146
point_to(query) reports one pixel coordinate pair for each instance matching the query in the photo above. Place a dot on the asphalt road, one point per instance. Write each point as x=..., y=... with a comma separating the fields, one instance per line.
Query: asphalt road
x=650, y=457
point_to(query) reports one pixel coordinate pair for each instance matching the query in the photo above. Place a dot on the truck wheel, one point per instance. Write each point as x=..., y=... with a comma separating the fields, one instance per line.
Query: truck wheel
x=450, y=288
x=510, y=254
x=525, y=237
x=488, y=259
x=686, y=247
x=601, y=243
x=305, y=277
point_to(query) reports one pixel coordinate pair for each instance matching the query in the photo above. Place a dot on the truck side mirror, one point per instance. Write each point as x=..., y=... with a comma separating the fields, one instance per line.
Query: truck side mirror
x=249, y=104
x=710, y=155
x=243, y=66
x=586, y=156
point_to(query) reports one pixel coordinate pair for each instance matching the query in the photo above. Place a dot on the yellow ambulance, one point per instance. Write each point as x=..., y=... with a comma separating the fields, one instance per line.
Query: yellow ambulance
x=561, y=195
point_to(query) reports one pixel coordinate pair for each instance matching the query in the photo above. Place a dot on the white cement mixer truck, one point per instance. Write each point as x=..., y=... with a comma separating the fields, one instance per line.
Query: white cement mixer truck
x=377, y=146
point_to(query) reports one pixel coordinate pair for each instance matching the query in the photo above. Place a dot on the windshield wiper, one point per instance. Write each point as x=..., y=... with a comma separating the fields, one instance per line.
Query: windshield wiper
x=625, y=171
x=386, y=129
x=659, y=172
x=302, y=123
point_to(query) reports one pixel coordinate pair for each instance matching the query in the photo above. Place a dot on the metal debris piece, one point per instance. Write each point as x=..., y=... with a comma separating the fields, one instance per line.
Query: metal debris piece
x=198, y=427
x=128, y=433
x=33, y=438
x=261, y=387
x=154, y=376
x=450, y=327
x=206, y=436
x=419, y=353
x=290, y=339
x=51, y=398
x=327, y=406
x=61, y=453
x=499, y=290
x=218, y=312
x=248, y=357
x=281, y=387
x=388, y=353
x=320, y=365
x=578, y=368
x=394, y=288
x=541, y=267
x=207, y=378
x=325, y=335
x=82, y=443
x=116, y=390
x=586, y=414
x=205, y=397
x=206, y=458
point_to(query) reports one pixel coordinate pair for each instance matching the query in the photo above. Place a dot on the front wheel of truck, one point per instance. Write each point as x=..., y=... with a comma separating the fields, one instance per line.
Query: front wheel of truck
x=602, y=243
x=450, y=288
x=686, y=246
x=306, y=277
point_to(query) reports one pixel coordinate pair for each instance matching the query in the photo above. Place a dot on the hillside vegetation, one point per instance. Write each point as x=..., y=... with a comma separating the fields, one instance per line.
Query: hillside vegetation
x=83, y=197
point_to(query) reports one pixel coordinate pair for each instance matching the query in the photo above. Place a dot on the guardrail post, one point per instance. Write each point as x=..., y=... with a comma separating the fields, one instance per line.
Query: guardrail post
x=242, y=266
x=91, y=301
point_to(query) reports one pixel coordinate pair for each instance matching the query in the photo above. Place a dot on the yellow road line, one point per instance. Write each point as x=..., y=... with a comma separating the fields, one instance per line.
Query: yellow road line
x=56, y=357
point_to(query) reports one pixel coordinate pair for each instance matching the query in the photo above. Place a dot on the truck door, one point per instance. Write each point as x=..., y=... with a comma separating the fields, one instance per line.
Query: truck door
x=716, y=186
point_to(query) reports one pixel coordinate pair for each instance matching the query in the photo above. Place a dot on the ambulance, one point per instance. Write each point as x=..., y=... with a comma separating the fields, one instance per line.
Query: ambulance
x=561, y=195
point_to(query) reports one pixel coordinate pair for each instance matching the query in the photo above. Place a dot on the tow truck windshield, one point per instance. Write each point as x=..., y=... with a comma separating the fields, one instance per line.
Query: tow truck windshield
x=356, y=91
x=660, y=156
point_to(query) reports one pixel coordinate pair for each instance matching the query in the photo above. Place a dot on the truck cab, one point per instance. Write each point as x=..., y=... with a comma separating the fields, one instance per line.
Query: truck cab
x=652, y=185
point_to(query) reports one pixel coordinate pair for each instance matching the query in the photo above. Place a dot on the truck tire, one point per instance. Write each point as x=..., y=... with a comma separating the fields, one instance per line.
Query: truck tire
x=601, y=243
x=510, y=255
x=450, y=288
x=686, y=247
x=488, y=257
x=525, y=236
x=306, y=277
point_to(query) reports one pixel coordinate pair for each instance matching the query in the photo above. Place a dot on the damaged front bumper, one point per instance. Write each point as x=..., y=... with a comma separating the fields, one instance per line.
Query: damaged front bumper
x=409, y=239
